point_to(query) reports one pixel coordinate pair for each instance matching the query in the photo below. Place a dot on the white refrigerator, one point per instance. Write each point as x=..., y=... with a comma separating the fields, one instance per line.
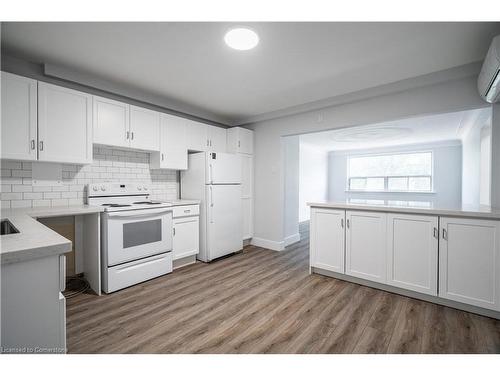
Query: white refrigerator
x=214, y=178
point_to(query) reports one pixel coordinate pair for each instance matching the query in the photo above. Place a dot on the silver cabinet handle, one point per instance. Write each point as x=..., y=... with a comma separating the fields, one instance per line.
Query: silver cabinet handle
x=348, y=224
x=173, y=231
x=187, y=211
x=239, y=144
x=208, y=142
x=445, y=234
x=32, y=144
x=40, y=145
x=128, y=135
x=342, y=223
x=132, y=136
x=436, y=233
x=162, y=157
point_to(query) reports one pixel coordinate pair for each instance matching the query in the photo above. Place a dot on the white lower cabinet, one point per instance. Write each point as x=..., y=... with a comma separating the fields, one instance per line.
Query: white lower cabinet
x=412, y=252
x=366, y=245
x=469, y=261
x=327, y=238
x=186, y=231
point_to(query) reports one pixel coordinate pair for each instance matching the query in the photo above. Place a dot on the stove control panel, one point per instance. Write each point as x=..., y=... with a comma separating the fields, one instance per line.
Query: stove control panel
x=114, y=188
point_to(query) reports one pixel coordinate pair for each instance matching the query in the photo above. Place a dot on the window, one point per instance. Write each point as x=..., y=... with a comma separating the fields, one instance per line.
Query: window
x=409, y=172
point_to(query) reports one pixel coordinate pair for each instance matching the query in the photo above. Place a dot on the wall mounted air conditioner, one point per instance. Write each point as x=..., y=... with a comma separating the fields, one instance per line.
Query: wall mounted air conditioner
x=488, y=81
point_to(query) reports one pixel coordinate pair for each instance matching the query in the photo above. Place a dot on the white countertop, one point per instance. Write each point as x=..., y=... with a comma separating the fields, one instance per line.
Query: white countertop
x=183, y=202
x=483, y=212
x=35, y=240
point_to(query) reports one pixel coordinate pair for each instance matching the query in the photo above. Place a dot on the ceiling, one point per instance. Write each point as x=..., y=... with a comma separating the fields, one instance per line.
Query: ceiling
x=418, y=130
x=295, y=63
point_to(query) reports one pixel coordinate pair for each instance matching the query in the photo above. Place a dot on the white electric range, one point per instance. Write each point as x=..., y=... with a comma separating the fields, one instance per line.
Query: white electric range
x=136, y=234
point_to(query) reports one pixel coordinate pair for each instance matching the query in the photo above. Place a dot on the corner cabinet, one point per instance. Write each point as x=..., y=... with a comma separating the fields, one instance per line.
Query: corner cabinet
x=469, y=261
x=19, y=117
x=64, y=125
x=366, y=245
x=173, y=146
x=412, y=252
x=327, y=239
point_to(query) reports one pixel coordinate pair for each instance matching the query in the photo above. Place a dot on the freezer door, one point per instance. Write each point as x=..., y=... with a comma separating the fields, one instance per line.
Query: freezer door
x=224, y=220
x=222, y=168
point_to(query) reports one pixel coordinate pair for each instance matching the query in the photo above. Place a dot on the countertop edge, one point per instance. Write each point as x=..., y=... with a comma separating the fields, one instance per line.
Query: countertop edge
x=493, y=215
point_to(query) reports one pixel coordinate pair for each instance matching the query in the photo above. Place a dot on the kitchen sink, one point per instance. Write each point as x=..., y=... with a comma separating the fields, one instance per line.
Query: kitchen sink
x=6, y=227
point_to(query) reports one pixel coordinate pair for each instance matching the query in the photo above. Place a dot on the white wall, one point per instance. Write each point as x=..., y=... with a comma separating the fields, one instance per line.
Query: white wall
x=447, y=177
x=475, y=171
x=313, y=178
x=495, y=156
x=441, y=97
x=291, y=165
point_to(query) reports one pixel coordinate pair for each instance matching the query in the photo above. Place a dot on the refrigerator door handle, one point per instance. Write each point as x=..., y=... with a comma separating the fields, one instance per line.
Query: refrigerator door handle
x=211, y=205
x=211, y=173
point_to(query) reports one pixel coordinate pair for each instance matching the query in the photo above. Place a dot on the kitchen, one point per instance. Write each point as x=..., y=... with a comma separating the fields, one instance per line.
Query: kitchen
x=138, y=221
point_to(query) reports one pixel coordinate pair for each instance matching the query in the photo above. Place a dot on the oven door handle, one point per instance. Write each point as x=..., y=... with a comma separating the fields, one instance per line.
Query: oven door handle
x=142, y=213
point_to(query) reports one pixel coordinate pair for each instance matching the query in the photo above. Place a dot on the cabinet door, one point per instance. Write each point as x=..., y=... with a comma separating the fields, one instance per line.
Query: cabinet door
x=412, y=252
x=196, y=136
x=366, y=245
x=173, y=151
x=327, y=239
x=64, y=125
x=144, y=129
x=246, y=176
x=19, y=111
x=217, y=139
x=469, y=261
x=111, y=122
x=186, y=240
x=245, y=141
x=239, y=140
x=247, y=209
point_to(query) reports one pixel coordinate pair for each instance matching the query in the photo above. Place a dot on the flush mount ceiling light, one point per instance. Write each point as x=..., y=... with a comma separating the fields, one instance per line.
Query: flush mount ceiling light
x=241, y=39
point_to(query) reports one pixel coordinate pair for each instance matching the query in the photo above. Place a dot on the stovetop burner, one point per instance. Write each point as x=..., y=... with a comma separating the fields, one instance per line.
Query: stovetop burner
x=147, y=202
x=116, y=205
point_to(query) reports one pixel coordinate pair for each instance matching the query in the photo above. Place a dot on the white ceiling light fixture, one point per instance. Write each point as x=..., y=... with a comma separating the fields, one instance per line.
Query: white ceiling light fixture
x=241, y=38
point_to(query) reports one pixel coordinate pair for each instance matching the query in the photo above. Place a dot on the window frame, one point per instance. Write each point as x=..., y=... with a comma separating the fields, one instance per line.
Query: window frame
x=386, y=178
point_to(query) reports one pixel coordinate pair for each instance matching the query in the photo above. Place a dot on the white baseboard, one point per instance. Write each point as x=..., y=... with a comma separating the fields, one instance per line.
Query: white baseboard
x=275, y=245
x=268, y=244
x=292, y=239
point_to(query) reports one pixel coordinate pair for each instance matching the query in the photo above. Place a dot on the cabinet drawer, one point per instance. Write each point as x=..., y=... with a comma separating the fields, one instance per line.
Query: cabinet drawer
x=191, y=210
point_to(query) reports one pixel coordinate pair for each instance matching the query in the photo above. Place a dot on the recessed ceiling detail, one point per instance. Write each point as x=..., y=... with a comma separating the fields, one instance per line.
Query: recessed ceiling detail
x=368, y=134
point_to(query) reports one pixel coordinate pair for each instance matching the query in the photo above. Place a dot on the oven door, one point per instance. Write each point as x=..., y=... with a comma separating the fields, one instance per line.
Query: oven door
x=131, y=235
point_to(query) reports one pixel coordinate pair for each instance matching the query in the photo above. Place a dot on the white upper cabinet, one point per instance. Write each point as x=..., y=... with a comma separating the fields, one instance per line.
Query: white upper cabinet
x=144, y=129
x=240, y=140
x=469, y=261
x=412, y=252
x=366, y=245
x=64, y=125
x=196, y=136
x=216, y=139
x=202, y=137
x=327, y=239
x=19, y=117
x=173, y=148
x=111, y=122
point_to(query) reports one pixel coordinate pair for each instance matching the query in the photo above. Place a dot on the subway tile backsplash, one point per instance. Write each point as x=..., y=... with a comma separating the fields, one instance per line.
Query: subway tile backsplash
x=110, y=165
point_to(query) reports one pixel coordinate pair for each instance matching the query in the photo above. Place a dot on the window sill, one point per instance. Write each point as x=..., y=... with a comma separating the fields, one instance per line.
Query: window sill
x=389, y=192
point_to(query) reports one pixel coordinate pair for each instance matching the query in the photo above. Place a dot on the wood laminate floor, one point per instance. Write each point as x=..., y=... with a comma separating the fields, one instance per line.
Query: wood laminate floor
x=261, y=301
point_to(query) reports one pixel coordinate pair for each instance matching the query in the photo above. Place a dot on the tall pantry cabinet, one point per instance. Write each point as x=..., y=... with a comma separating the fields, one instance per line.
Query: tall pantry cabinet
x=240, y=141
